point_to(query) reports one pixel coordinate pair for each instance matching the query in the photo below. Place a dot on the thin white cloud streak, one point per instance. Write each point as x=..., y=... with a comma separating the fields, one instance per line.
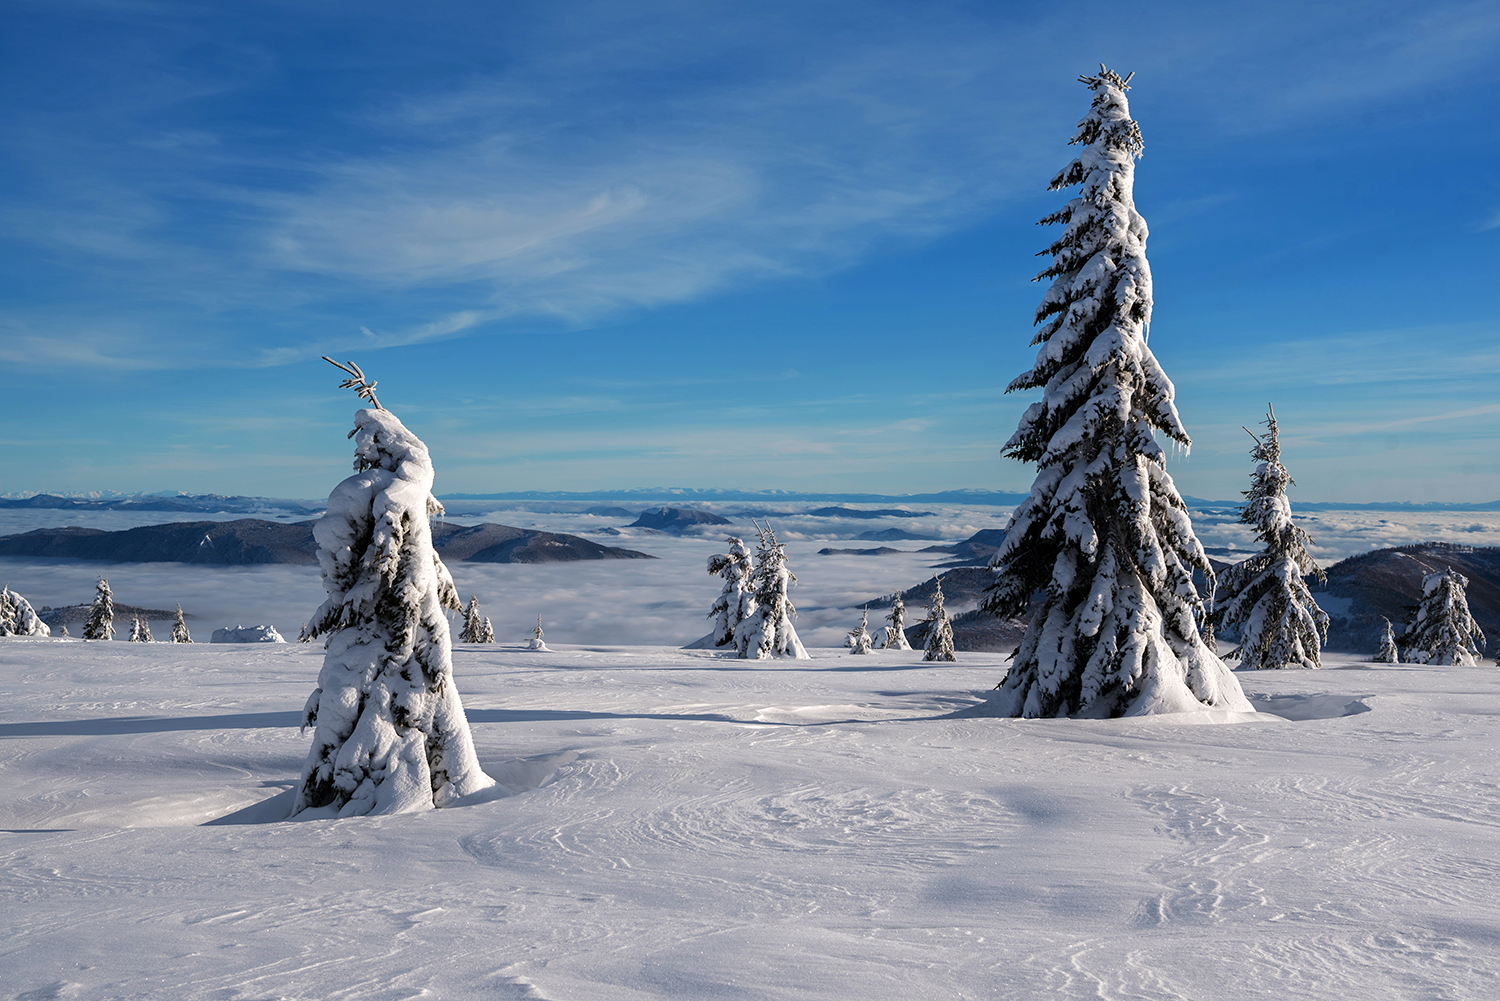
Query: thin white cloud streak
x=551, y=190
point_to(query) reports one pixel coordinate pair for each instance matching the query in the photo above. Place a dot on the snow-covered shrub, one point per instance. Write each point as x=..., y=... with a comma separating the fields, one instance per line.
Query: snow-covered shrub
x=1388, y=653
x=535, y=643
x=1442, y=631
x=246, y=634
x=736, y=601
x=180, y=632
x=140, y=631
x=1265, y=597
x=859, y=640
x=101, y=620
x=486, y=631
x=767, y=630
x=391, y=735
x=895, y=632
x=18, y=618
x=1104, y=534
x=939, y=628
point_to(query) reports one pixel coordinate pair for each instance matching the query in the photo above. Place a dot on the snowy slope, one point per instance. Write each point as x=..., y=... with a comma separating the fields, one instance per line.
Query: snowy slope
x=684, y=826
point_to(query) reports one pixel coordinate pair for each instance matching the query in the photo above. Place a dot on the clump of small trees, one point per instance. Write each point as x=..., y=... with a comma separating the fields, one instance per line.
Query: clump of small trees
x=754, y=611
x=477, y=628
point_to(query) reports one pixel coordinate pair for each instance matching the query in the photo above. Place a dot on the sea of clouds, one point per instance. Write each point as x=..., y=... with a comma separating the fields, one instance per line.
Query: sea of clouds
x=660, y=601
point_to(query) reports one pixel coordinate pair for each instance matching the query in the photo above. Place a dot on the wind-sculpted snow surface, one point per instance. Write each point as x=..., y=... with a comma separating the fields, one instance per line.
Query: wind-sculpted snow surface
x=390, y=734
x=674, y=825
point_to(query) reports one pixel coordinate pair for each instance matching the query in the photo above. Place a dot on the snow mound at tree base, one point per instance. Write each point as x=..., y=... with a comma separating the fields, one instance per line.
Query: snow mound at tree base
x=246, y=634
x=509, y=778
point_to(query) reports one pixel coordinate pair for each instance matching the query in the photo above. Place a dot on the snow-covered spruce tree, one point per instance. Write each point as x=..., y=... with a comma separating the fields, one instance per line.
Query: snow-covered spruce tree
x=1104, y=534
x=180, y=632
x=486, y=630
x=939, y=629
x=895, y=632
x=1442, y=631
x=473, y=630
x=7, y=612
x=859, y=637
x=535, y=643
x=101, y=620
x=736, y=601
x=1265, y=597
x=140, y=631
x=1388, y=654
x=767, y=630
x=391, y=736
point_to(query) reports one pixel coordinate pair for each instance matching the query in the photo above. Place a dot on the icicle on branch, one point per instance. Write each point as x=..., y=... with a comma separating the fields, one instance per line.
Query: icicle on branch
x=360, y=385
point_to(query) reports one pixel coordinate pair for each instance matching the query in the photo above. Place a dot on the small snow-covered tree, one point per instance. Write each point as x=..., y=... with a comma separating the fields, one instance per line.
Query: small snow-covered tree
x=486, y=631
x=535, y=643
x=473, y=630
x=767, y=631
x=736, y=601
x=895, y=632
x=1104, y=536
x=18, y=618
x=180, y=632
x=1442, y=631
x=1388, y=654
x=859, y=637
x=101, y=620
x=1265, y=597
x=939, y=629
x=140, y=631
x=390, y=732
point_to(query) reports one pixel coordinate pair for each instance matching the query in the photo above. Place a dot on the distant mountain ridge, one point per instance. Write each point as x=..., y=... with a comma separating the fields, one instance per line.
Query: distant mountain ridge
x=253, y=541
x=220, y=503
x=206, y=503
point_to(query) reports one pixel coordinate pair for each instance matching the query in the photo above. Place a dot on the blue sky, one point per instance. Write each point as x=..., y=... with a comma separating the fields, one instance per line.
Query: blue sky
x=772, y=246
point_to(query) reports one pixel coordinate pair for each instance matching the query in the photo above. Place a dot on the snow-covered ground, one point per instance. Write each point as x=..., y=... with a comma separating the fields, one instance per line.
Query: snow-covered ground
x=684, y=826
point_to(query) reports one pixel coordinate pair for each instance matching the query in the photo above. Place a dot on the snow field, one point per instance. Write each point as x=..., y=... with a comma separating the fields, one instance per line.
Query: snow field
x=681, y=825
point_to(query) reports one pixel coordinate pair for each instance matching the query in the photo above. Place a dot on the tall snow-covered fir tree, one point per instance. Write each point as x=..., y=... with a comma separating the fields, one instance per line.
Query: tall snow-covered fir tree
x=1441, y=630
x=859, y=637
x=939, y=644
x=1104, y=535
x=767, y=630
x=895, y=631
x=736, y=601
x=391, y=735
x=1265, y=597
x=101, y=620
x=1388, y=653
